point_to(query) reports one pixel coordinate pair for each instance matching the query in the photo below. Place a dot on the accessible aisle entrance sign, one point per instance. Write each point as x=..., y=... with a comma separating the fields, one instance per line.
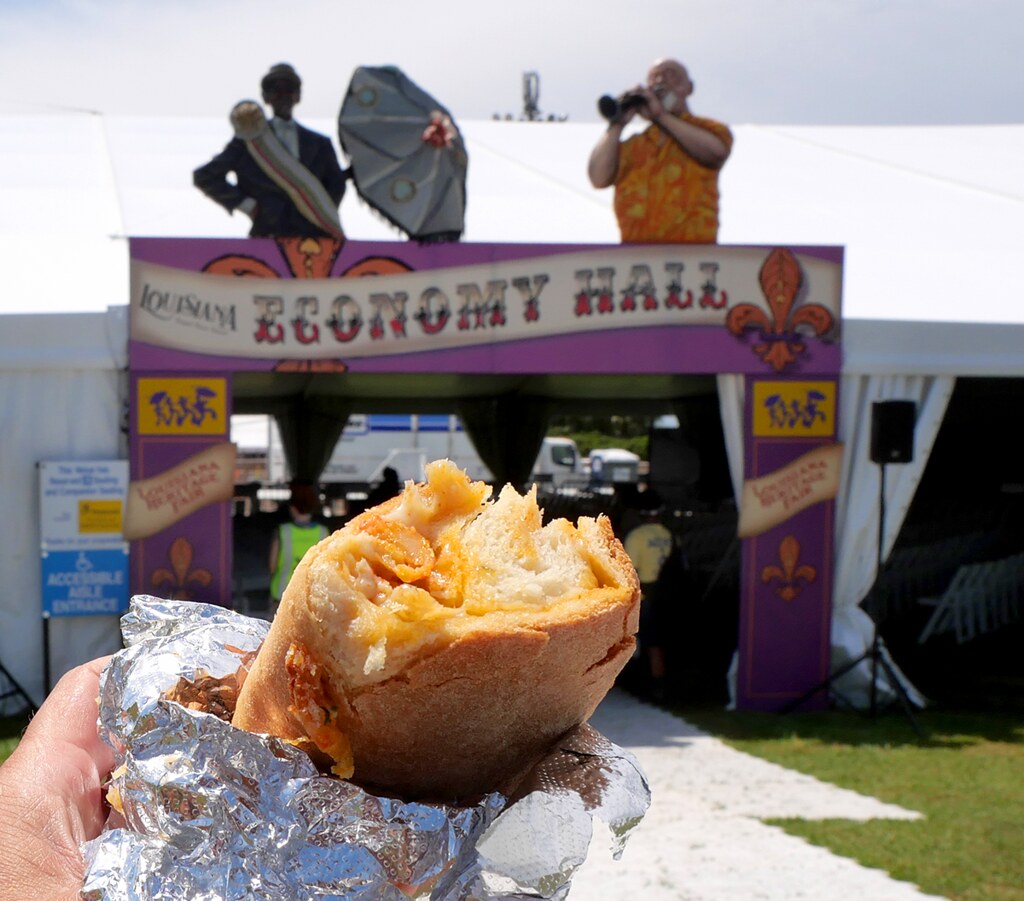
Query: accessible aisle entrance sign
x=83, y=552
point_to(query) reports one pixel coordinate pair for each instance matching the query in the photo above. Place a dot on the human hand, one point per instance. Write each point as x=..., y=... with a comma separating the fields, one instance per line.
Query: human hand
x=250, y=206
x=652, y=108
x=52, y=794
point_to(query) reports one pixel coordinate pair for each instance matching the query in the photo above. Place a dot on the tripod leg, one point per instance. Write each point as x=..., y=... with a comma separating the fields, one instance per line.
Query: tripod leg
x=826, y=684
x=901, y=693
x=16, y=690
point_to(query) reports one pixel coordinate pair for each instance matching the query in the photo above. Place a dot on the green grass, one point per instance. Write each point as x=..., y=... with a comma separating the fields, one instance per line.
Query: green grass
x=11, y=728
x=966, y=776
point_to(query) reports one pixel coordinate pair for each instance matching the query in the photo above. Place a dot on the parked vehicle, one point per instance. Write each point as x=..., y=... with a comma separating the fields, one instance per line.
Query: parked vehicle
x=406, y=443
x=558, y=464
x=613, y=466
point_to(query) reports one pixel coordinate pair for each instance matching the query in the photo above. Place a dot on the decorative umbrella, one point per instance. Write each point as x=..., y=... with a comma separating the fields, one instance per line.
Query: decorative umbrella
x=407, y=157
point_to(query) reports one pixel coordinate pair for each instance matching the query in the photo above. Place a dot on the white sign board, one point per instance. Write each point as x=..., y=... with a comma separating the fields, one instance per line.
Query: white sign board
x=83, y=552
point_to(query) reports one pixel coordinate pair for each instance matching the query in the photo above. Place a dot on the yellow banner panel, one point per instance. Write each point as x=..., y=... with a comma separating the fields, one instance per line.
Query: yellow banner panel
x=794, y=409
x=182, y=406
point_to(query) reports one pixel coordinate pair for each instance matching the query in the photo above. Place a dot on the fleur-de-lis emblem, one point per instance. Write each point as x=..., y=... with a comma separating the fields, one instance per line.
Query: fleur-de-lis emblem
x=310, y=257
x=792, y=576
x=306, y=258
x=781, y=344
x=181, y=574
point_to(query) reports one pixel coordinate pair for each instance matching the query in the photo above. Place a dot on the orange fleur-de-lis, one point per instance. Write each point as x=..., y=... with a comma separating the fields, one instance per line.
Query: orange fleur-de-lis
x=306, y=258
x=181, y=574
x=310, y=257
x=781, y=279
x=792, y=575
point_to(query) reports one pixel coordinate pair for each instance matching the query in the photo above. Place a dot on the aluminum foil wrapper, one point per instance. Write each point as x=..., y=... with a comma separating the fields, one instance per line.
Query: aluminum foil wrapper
x=212, y=812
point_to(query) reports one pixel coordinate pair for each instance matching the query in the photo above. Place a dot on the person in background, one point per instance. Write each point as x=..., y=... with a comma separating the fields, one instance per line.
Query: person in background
x=264, y=192
x=293, y=538
x=648, y=544
x=386, y=489
x=666, y=177
x=672, y=597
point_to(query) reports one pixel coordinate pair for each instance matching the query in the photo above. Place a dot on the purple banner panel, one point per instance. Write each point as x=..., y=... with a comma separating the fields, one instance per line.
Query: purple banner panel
x=182, y=468
x=204, y=309
x=469, y=308
x=787, y=520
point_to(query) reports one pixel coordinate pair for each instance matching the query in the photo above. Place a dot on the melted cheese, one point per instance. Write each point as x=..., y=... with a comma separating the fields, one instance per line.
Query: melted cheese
x=420, y=570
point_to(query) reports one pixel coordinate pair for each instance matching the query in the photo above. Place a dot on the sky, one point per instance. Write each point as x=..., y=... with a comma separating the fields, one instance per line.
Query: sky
x=815, y=62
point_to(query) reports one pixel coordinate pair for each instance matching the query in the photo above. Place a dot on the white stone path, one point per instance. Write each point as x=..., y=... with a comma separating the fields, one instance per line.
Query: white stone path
x=702, y=839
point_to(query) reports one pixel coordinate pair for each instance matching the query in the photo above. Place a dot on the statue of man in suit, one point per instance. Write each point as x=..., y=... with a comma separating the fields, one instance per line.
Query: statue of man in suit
x=287, y=177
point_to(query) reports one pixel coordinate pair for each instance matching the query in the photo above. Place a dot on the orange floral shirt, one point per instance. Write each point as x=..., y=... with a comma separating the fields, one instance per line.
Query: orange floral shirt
x=663, y=195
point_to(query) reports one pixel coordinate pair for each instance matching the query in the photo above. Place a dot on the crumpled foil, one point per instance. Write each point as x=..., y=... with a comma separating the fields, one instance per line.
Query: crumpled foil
x=212, y=812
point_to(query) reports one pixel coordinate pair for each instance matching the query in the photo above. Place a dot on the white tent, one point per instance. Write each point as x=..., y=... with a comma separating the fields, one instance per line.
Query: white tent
x=931, y=219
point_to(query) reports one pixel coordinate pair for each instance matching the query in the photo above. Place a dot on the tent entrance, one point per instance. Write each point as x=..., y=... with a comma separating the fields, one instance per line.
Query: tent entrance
x=502, y=336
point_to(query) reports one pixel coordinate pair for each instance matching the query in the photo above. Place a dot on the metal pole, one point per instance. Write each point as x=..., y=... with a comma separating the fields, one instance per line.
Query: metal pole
x=47, y=681
x=878, y=581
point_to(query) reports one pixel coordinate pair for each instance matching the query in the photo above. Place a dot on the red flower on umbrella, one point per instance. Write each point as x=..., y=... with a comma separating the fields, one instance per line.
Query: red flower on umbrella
x=440, y=132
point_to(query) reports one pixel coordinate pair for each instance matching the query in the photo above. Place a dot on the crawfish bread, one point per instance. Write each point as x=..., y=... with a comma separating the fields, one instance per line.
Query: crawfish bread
x=438, y=644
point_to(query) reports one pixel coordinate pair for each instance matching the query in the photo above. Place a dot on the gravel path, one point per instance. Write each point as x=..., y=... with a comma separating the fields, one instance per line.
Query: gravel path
x=702, y=839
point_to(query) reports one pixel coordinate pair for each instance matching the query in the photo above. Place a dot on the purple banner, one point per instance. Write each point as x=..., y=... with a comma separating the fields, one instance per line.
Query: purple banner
x=787, y=516
x=204, y=309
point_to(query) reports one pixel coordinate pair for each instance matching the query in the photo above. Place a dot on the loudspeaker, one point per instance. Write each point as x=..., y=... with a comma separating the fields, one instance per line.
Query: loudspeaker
x=892, y=431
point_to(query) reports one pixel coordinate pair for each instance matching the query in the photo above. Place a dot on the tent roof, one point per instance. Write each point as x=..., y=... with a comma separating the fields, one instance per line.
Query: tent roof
x=931, y=218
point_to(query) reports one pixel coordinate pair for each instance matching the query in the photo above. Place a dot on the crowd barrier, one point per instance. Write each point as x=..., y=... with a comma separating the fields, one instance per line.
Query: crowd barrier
x=980, y=598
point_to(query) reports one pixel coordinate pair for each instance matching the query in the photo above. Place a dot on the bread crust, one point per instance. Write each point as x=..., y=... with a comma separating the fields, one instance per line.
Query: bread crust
x=468, y=714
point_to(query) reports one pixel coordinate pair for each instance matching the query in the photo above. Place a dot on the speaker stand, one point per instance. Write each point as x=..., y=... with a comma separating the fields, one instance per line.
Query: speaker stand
x=874, y=651
x=9, y=688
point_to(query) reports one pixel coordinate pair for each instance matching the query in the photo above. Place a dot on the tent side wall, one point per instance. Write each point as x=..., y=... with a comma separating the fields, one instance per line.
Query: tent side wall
x=61, y=397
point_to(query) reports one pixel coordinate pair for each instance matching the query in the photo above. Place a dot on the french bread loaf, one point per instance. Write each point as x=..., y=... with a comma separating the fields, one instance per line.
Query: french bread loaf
x=438, y=644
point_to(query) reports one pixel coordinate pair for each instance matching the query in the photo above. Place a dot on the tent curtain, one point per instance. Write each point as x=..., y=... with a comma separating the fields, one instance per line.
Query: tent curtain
x=310, y=428
x=507, y=432
x=730, y=404
x=731, y=388
x=857, y=513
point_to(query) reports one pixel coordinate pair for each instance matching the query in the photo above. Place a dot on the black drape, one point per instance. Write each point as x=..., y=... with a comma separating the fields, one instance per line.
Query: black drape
x=507, y=431
x=310, y=428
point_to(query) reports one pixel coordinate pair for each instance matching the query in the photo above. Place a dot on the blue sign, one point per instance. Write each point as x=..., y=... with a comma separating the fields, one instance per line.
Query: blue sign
x=85, y=583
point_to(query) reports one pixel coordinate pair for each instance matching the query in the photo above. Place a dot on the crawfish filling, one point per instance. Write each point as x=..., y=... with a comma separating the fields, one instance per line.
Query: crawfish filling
x=314, y=706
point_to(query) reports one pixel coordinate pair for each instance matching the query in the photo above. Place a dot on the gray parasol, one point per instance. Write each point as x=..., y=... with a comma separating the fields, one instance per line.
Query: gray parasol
x=407, y=156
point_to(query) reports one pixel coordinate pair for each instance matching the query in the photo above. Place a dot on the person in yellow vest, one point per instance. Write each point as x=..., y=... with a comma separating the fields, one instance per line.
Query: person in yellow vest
x=293, y=538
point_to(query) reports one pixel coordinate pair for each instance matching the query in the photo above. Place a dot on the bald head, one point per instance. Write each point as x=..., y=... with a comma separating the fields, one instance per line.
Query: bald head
x=670, y=81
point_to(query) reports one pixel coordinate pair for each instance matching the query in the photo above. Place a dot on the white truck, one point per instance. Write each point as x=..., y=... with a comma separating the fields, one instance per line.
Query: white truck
x=405, y=442
x=558, y=464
